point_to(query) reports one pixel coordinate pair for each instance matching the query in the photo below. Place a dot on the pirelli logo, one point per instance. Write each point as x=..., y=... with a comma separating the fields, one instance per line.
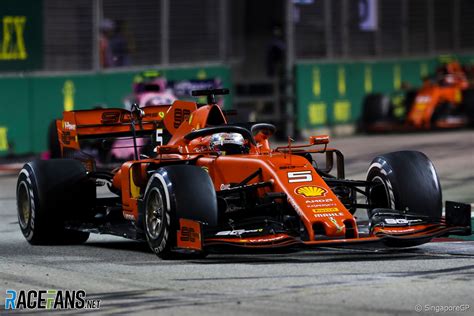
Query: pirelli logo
x=326, y=210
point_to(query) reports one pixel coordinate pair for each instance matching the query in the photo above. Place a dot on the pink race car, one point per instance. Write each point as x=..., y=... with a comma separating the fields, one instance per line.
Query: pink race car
x=150, y=89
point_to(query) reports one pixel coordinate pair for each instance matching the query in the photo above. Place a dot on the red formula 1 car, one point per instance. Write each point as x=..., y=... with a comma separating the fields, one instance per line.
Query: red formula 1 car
x=212, y=185
x=445, y=101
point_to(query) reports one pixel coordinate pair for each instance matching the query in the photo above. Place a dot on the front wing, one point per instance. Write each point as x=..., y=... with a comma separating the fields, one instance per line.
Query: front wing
x=456, y=222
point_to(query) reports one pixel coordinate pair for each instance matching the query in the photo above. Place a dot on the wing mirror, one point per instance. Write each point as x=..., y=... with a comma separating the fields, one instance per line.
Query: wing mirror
x=267, y=129
x=319, y=140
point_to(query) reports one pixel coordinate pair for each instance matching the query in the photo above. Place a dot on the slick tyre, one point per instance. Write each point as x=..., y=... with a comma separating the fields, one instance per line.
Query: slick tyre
x=160, y=222
x=468, y=104
x=49, y=193
x=409, y=101
x=53, y=142
x=405, y=181
x=174, y=192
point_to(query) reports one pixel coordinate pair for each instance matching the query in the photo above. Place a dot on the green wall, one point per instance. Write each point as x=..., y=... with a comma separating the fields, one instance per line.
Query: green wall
x=331, y=93
x=28, y=104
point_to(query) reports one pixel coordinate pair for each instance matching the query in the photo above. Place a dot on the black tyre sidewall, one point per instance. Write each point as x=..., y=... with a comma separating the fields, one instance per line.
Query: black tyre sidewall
x=27, y=178
x=409, y=101
x=57, y=193
x=163, y=244
x=53, y=141
x=379, y=175
x=468, y=104
x=191, y=196
x=410, y=182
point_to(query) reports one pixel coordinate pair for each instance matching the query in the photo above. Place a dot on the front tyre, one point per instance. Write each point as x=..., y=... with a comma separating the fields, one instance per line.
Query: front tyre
x=405, y=181
x=174, y=192
x=160, y=235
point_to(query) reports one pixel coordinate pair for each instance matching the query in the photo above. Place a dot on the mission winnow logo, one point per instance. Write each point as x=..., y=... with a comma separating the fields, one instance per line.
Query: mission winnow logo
x=49, y=299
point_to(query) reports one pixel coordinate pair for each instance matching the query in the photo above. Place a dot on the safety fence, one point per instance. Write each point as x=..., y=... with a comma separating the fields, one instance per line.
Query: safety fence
x=58, y=35
x=84, y=35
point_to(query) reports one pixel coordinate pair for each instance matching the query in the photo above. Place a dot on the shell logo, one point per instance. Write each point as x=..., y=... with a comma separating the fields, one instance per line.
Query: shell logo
x=311, y=191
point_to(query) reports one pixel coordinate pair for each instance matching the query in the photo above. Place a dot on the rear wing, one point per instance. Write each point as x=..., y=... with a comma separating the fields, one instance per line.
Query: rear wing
x=115, y=122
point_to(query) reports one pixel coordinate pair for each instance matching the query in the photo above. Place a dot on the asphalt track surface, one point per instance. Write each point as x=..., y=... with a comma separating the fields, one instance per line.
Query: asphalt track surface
x=364, y=280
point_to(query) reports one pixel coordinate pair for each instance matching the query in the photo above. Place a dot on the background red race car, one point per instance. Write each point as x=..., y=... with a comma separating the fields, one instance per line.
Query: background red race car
x=445, y=100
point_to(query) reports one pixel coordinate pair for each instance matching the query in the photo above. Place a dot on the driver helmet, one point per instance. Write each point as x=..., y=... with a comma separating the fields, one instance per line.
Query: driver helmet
x=228, y=143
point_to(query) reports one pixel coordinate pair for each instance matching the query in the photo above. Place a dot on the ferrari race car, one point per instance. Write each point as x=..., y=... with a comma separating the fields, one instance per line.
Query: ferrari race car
x=212, y=185
x=445, y=100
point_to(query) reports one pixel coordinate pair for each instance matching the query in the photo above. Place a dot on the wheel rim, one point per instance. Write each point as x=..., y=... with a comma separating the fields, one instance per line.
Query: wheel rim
x=155, y=214
x=24, y=205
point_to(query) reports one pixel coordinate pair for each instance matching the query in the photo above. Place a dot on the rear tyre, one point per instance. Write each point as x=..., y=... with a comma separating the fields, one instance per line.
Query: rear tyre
x=53, y=141
x=468, y=104
x=408, y=182
x=49, y=193
x=175, y=192
x=410, y=97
